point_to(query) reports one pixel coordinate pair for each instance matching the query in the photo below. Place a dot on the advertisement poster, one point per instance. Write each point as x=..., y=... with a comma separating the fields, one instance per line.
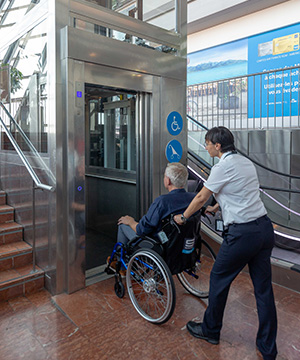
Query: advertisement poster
x=276, y=93
x=273, y=94
x=228, y=60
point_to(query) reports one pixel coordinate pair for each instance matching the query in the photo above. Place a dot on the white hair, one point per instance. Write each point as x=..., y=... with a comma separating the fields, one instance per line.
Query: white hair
x=177, y=173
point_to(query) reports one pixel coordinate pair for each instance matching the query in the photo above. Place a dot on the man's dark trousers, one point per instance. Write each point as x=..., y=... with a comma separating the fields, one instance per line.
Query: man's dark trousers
x=249, y=243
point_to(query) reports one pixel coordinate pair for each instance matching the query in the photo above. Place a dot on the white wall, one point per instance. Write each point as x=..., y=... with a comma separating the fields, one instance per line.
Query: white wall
x=201, y=8
x=271, y=18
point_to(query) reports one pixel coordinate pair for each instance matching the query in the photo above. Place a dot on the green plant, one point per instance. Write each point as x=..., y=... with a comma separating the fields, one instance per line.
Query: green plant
x=15, y=79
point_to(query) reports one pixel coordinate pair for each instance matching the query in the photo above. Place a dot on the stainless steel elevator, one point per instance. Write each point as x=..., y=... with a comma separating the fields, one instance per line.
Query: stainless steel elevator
x=117, y=103
x=107, y=77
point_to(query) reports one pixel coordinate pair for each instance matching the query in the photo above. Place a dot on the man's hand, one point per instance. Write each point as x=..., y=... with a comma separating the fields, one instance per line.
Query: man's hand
x=128, y=220
x=178, y=219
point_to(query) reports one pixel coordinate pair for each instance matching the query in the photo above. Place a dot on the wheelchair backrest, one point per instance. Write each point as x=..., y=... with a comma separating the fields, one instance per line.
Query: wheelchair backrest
x=180, y=242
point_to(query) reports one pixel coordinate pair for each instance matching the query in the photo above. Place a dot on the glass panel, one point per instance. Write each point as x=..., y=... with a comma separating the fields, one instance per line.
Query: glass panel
x=121, y=36
x=27, y=62
x=160, y=13
x=112, y=129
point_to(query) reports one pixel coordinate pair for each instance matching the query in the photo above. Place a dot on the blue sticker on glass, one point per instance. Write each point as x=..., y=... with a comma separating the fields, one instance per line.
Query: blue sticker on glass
x=174, y=151
x=79, y=94
x=174, y=123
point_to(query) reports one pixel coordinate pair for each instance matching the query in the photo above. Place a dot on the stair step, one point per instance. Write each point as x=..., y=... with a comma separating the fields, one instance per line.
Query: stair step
x=14, y=255
x=10, y=232
x=6, y=214
x=16, y=272
x=2, y=197
x=20, y=281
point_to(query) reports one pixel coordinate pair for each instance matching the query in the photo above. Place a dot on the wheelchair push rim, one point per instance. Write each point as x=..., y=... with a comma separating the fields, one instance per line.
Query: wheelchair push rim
x=150, y=286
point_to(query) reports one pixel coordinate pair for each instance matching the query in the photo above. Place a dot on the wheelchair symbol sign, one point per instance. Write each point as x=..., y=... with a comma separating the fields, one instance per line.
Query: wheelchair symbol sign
x=173, y=151
x=174, y=123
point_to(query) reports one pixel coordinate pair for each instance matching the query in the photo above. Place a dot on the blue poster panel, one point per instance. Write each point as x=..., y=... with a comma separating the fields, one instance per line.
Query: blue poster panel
x=276, y=93
x=269, y=95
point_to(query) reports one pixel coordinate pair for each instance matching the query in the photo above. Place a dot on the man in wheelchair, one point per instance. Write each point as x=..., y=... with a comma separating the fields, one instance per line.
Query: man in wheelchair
x=174, y=202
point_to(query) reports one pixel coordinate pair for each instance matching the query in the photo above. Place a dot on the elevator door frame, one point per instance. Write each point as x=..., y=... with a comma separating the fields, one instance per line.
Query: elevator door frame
x=78, y=74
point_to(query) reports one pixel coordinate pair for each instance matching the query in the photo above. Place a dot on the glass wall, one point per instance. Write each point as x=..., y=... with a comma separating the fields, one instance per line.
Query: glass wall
x=160, y=13
x=112, y=139
x=26, y=61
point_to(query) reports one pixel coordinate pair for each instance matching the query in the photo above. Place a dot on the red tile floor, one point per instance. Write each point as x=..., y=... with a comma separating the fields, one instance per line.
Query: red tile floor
x=94, y=324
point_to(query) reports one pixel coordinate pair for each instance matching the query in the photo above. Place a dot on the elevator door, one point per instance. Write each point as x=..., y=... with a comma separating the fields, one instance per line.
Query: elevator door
x=110, y=117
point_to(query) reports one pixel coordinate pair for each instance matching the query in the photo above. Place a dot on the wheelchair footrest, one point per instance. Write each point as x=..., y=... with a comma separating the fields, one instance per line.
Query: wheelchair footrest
x=109, y=271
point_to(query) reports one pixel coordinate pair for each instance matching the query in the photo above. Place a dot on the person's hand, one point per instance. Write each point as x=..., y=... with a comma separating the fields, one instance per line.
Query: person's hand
x=177, y=219
x=210, y=209
x=126, y=220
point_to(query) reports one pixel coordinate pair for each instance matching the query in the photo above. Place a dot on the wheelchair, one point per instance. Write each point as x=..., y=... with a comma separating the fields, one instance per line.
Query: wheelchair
x=150, y=263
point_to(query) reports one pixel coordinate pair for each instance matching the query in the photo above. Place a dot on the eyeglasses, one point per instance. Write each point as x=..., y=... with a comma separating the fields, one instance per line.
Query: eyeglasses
x=207, y=144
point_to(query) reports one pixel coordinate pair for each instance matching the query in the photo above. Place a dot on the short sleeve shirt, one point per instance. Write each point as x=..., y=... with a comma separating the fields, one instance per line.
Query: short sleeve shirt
x=235, y=185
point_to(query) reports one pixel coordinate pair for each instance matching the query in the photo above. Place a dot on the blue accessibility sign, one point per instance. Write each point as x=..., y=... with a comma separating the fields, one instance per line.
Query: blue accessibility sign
x=174, y=151
x=174, y=123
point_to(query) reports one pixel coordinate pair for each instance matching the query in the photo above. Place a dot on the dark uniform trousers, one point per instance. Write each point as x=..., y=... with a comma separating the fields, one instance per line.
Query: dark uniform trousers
x=248, y=243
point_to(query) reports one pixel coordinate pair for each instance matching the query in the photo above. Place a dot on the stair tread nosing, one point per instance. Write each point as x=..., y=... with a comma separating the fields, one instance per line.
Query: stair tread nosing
x=13, y=249
x=6, y=208
x=18, y=275
x=11, y=226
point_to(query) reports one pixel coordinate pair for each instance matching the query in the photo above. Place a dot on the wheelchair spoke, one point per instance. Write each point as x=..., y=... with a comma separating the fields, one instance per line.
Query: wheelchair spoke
x=150, y=286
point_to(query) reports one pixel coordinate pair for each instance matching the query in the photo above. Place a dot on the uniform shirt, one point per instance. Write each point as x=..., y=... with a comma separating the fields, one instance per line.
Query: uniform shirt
x=235, y=186
x=175, y=202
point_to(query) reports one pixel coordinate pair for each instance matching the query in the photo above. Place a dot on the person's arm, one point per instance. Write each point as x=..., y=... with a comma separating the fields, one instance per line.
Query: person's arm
x=197, y=203
x=212, y=209
x=128, y=220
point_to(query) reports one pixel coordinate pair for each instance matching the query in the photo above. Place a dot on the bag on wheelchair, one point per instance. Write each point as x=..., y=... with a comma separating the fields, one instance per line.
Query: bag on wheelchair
x=180, y=243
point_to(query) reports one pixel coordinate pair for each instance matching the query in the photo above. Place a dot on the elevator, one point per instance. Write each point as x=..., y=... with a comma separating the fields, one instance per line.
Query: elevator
x=112, y=134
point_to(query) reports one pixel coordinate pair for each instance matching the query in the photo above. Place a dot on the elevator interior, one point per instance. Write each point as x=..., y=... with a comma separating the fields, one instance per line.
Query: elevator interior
x=110, y=117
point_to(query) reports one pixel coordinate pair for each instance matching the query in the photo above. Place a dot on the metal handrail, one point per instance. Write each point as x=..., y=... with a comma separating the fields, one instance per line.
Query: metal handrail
x=261, y=187
x=248, y=157
x=248, y=75
x=37, y=184
x=29, y=144
x=26, y=163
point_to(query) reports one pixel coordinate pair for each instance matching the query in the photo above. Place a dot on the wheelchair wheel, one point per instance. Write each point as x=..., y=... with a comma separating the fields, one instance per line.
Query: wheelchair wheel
x=196, y=282
x=150, y=286
x=119, y=289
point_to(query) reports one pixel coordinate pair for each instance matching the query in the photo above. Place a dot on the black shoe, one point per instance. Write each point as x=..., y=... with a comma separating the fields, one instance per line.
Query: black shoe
x=195, y=329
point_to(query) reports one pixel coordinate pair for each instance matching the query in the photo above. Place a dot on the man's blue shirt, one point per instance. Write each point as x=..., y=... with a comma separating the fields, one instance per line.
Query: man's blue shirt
x=175, y=202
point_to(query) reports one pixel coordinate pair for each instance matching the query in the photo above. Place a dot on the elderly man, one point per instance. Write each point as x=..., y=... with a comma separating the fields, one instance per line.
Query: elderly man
x=174, y=202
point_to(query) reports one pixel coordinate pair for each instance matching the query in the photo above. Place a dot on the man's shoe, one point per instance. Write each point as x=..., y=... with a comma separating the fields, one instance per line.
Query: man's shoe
x=113, y=266
x=122, y=273
x=195, y=329
x=113, y=263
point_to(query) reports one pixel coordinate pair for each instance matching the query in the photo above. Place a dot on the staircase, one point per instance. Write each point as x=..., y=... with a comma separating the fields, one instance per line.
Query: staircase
x=16, y=275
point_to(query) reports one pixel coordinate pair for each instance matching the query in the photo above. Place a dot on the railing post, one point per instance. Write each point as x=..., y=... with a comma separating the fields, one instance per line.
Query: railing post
x=33, y=228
